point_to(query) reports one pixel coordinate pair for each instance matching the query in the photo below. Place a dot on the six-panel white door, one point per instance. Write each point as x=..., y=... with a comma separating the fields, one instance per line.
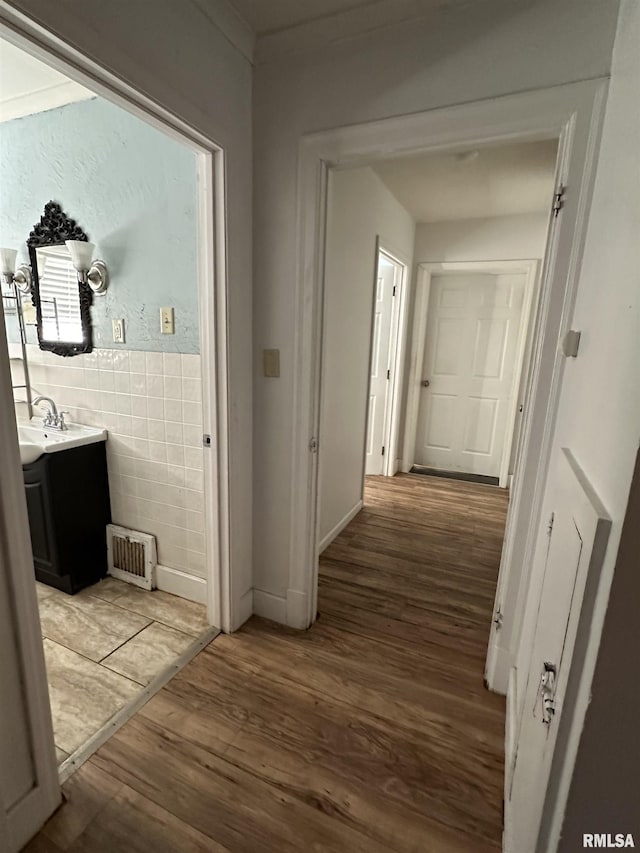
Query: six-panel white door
x=379, y=382
x=473, y=325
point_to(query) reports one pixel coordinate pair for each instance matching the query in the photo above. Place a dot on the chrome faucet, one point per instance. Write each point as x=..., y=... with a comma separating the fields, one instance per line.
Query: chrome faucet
x=53, y=419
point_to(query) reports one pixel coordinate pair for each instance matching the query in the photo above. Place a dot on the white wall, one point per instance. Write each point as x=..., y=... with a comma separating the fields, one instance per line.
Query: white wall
x=175, y=54
x=360, y=209
x=599, y=419
x=496, y=238
x=465, y=54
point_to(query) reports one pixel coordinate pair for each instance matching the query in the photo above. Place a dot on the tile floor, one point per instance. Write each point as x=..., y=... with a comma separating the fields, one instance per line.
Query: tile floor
x=103, y=646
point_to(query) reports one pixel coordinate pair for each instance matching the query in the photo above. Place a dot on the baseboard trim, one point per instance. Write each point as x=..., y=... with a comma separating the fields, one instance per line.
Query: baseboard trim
x=181, y=584
x=297, y=609
x=270, y=606
x=245, y=609
x=339, y=527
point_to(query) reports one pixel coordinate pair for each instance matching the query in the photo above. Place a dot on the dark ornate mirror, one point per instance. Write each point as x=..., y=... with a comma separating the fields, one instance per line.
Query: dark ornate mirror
x=62, y=302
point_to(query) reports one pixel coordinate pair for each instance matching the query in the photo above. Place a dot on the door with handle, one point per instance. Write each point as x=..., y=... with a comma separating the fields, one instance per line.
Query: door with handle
x=380, y=373
x=473, y=326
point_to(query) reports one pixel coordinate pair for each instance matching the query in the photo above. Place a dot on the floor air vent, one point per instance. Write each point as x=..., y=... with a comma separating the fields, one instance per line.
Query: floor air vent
x=131, y=556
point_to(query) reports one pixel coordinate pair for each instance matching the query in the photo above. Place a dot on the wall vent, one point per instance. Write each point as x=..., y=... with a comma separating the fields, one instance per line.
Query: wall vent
x=131, y=556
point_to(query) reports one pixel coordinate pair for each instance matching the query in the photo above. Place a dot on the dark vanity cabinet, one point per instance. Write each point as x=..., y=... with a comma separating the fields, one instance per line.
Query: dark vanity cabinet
x=69, y=509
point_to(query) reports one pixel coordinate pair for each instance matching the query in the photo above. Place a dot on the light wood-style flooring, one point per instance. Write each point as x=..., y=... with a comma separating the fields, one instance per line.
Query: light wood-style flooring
x=370, y=732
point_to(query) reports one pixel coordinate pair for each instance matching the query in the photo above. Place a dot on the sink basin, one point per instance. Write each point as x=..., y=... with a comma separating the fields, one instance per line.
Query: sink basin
x=29, y=452
x=36, y=439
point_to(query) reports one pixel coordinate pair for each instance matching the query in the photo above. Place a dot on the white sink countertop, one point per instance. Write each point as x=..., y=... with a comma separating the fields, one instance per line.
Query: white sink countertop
x=35, y=439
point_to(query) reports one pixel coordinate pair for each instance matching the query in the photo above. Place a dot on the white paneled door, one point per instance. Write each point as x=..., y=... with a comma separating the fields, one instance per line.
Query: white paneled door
x=473, y=327
x=380, y=379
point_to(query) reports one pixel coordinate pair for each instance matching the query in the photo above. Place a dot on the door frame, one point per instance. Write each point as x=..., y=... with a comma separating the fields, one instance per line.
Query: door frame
x=426, y=271
x=212, y=283
x=572, y=113
x=18, y=588
x=224, y=604
x=397, y=342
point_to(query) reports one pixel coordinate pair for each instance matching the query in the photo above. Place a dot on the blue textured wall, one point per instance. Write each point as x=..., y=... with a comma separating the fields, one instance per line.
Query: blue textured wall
x=132, y=190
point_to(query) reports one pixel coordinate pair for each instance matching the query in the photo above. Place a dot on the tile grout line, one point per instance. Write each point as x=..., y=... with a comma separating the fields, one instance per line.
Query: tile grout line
x=124, y=643
x=84, y=657
x=153, y=619
x=140, y=686
x=133, y=613
x=131, y=639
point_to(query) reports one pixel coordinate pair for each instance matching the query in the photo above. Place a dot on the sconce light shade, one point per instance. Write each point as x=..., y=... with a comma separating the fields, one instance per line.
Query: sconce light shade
x=8, y=261
x=20, y=277
x=93, y=273
x=81, y=254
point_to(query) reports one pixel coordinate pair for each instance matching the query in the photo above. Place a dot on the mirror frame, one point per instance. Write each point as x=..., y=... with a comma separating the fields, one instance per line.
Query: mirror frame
x=53, y=229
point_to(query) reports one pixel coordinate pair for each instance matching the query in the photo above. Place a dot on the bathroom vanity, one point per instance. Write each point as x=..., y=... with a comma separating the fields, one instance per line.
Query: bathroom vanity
x=67, y=489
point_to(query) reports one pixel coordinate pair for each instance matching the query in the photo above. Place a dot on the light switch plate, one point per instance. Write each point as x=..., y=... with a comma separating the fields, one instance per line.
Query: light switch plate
x=166, y=321
x=118, y=331
x=271, y=363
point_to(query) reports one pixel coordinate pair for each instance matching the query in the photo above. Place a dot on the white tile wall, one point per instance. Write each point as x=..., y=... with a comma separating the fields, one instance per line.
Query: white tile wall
x=151, y=405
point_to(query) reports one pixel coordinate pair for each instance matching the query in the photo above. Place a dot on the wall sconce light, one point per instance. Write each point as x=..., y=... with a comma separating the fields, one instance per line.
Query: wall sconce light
x=21, y=276
x=93, y=273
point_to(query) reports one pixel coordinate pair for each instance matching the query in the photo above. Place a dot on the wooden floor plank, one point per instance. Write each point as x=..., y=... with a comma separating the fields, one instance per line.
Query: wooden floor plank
x=219, y=798
x=87, y=793
x=132, y=823
x=370, y=732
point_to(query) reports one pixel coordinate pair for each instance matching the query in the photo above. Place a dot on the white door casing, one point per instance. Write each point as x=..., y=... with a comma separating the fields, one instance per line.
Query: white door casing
x=228, y=606
x=29, y=788
x=380, y=372
x=472, y=340
x=571, y=112
x=577, y=536
x=24, y=701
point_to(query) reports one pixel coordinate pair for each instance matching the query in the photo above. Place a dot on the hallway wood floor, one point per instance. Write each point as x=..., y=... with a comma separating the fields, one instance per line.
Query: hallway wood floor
x=370, y=732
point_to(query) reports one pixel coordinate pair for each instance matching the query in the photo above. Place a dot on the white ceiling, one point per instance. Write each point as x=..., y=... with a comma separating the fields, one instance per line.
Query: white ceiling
x=28, y=86
x=492, y=181
x=269, y=16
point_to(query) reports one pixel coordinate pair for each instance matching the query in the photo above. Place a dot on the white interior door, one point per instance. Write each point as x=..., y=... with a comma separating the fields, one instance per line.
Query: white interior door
x=576, y=542
x=473, y=326
x=379, y=382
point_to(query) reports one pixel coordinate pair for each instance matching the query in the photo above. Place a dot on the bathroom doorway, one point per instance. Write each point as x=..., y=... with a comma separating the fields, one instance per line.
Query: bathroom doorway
x=149, y=384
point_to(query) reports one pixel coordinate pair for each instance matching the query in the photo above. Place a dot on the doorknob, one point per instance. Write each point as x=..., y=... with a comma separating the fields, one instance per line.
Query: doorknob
x=425, y=383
